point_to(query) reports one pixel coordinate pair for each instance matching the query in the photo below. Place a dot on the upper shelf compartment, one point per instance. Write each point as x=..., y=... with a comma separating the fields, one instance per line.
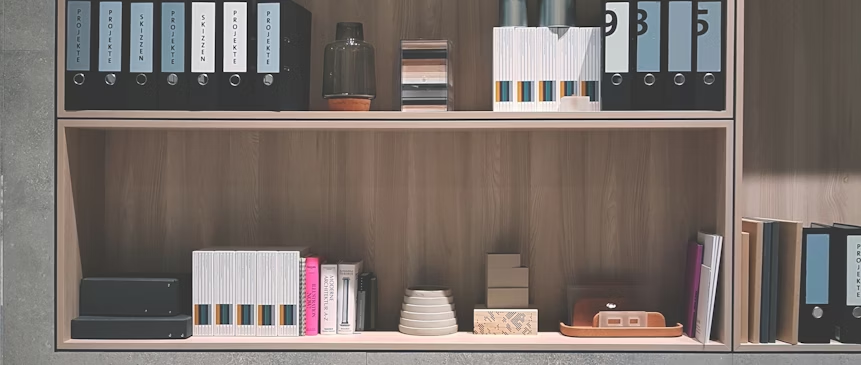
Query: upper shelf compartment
x=467, y=25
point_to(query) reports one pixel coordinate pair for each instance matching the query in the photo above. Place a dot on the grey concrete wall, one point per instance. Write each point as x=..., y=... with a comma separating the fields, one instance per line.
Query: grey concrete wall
x=27, y=236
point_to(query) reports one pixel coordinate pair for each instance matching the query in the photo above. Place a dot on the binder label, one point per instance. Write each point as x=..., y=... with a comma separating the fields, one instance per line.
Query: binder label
x=268, y=34
x=110, y=36
x=140, y=59
x=680, y=36
x=853, y=270
x=816, y=269
x=203, y=37
x=235, y=36
x=709, y=34
x=78, y=36
x=616, y=36
x=173, y=37
x=649, y=36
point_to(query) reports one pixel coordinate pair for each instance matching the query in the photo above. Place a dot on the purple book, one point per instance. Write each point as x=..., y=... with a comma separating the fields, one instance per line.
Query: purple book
x=692, y=286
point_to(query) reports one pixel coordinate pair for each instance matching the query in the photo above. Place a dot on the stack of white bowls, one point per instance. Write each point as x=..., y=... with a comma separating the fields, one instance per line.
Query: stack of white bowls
x=428, y=311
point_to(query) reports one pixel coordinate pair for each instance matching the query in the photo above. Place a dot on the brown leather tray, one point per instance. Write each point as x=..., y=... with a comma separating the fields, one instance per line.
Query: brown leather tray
x=656, y=327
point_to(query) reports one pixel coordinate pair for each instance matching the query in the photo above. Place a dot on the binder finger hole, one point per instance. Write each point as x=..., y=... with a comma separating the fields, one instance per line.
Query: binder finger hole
x=649, y=79
x=856, y=312
x=172, y=79
x=268, y=79
x=616, y=79
x=817, y=312
x=141, y=79
x=78, y=79
x=235, y=80
x=679, y=79
x=709, y=78
x=110, y=79
x=203, y=79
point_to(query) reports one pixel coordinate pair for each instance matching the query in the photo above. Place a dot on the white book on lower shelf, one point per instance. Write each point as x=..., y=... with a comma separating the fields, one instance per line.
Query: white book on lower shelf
x=712, y=246
x=348, y=284
x=328, y=299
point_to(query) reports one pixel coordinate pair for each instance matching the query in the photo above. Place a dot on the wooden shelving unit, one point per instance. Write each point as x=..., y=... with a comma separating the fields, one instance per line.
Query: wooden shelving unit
x=420, y=197
x=801, y=162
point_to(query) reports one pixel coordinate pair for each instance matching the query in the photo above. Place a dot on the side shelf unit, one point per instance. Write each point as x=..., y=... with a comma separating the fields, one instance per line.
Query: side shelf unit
x=420, y=197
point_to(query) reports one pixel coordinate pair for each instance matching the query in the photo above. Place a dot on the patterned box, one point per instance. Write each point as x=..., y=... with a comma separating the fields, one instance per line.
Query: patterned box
x=504, y=321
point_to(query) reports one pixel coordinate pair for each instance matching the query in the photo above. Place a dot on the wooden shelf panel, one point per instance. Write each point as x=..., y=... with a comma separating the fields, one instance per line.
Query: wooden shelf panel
x=398, y=116
x=395, y=124
x=779, y=346
x=396, y=341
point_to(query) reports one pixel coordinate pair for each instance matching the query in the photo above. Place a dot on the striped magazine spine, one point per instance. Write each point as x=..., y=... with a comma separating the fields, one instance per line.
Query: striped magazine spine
x=300, y=270
x=246, y=293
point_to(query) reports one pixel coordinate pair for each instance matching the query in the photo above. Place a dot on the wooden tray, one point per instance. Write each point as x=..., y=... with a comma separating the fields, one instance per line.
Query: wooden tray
x=656, y=327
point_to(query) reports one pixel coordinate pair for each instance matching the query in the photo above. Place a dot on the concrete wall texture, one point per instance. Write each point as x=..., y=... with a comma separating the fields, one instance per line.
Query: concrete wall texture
x=27, y=236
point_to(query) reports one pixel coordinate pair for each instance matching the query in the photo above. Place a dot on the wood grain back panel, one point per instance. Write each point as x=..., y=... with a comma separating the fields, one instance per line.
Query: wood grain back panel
x=421, y=207
x=802, y=115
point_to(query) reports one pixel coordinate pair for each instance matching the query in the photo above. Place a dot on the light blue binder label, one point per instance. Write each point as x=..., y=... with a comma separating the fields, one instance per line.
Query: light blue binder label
x=110, y=36
x=172, y=37
x=680, y=33
x=816, y=279
x=709, y=35
x=268, y=36
x=141, y=43
x=649, y=42
x=78, y=36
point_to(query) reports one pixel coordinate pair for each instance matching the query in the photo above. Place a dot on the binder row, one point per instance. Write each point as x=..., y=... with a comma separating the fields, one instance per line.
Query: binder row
x=830, y=298
x=664, y=55
x=535, y=67
x=187, y=55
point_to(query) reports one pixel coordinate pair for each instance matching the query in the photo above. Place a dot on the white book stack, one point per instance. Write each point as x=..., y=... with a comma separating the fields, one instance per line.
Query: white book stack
x=534, y=67
x=279, y=292
x=246, y=292
x=588, y=57
x=213, y=287
x=271, y=287
x=545, y=58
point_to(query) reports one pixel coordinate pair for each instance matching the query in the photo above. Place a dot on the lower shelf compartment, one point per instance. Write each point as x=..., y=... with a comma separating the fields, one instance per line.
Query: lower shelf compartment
x=780, y=346
x=396, y=341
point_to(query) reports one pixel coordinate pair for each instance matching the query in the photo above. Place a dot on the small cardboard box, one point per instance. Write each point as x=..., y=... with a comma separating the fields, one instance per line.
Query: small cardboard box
x=516, y=298
x=504, y=321
x=515, y=277
x=503, y=260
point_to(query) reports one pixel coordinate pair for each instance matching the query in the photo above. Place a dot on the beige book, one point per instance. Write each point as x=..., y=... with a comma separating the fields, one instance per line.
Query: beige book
x=745, y=286
x=789, y=285
x=754, y=229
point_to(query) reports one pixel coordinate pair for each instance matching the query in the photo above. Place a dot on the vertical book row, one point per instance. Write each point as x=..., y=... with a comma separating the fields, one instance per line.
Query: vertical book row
x=187, y=55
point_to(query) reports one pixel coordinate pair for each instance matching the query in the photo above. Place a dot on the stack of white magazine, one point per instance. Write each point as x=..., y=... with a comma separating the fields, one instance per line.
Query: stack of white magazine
x=247, y=291
x=535, y=67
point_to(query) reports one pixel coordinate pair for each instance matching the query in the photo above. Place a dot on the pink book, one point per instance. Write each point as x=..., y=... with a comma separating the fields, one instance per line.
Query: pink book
x=692, y=286
x=312, y=296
